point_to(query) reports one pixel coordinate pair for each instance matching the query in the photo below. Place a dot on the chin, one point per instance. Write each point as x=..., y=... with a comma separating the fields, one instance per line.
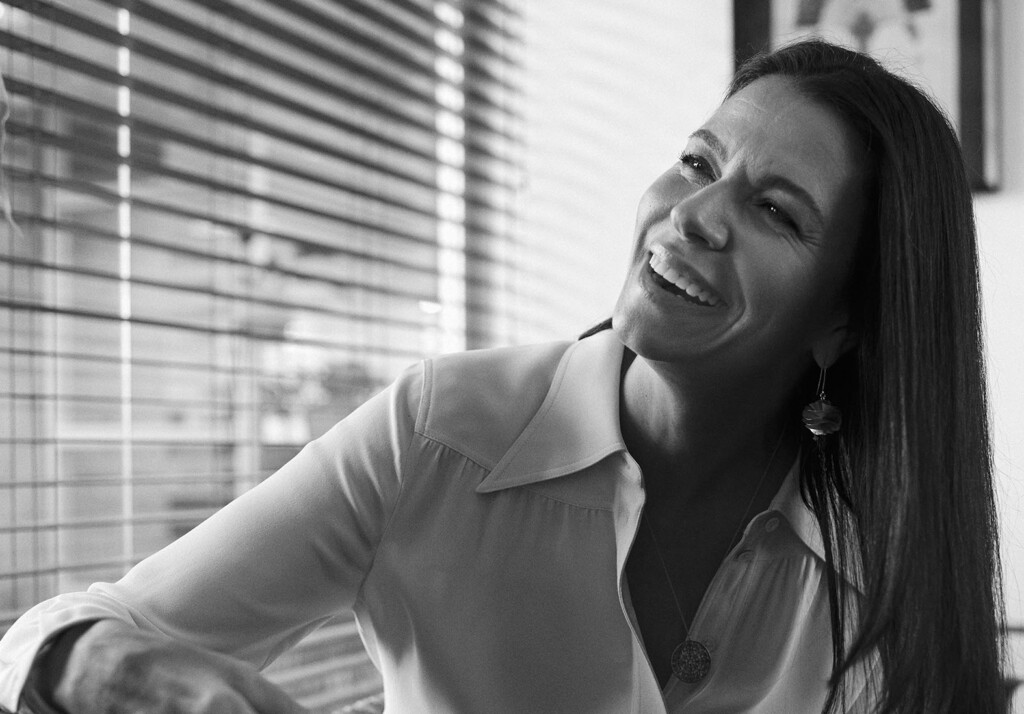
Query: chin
x=638, y=331
x=643, y=337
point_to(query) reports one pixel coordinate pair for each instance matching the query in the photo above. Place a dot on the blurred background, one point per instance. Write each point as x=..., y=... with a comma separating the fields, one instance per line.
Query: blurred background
x=232, y=221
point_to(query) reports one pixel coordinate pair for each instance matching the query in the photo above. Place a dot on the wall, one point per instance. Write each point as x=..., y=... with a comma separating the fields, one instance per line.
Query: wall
x=611, y=95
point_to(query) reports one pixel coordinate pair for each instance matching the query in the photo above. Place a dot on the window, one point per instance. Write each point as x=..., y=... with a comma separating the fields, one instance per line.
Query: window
x=233, y=221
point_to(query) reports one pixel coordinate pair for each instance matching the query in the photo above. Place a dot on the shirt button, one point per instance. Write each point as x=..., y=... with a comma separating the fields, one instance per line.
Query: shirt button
x=771, y=525
x=745, y=555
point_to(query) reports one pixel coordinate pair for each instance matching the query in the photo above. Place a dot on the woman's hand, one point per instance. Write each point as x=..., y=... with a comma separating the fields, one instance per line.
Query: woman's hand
x=114, y=668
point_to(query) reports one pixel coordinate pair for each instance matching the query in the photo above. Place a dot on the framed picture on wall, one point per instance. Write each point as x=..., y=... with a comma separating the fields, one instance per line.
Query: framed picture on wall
x=947, y=47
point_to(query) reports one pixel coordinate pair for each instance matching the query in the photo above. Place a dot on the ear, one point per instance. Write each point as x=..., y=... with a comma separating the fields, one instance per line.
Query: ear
x=838, y=339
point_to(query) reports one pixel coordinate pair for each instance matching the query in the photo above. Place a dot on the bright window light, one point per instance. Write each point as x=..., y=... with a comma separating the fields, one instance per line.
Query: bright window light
x=450, y=97
x=451, y=208
x=451, y=152
x=448, y=14
x=451, y=180
x=449, y=42
x=451, y=125
x=449, y=69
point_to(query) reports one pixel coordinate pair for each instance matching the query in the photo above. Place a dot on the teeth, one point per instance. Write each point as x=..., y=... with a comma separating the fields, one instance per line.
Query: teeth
x=659, y=264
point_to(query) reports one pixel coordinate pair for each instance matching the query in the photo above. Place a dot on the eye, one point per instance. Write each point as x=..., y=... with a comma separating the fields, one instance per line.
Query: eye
x=696, y=168
x=779, y=214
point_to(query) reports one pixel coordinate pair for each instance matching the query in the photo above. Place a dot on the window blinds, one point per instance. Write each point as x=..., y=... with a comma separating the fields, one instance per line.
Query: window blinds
x=233, y=221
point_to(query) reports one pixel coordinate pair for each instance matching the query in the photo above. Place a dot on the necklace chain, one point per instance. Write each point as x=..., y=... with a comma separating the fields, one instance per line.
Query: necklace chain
x=753, y=497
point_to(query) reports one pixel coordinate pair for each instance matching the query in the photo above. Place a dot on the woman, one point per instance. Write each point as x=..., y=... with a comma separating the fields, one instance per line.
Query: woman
x=638, y=521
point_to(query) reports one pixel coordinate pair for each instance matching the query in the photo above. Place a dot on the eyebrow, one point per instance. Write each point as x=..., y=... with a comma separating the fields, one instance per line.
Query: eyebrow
x=713, y=142
x=769, y=181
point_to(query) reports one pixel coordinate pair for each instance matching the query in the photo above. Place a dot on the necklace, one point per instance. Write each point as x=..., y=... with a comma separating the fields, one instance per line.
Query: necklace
x=691, y=660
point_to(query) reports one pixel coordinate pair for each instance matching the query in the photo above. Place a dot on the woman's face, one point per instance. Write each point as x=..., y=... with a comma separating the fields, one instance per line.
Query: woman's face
x=744, y=246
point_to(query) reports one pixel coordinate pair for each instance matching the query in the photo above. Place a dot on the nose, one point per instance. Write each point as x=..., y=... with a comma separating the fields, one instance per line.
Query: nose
x=702, y=216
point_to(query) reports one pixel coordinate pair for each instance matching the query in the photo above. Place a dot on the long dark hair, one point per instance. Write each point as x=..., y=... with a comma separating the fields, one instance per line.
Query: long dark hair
x=906, y=487
x=903, y=494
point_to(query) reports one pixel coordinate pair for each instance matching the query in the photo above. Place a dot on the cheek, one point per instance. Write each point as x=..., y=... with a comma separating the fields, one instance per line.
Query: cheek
x=651, y=201
x=657, y=201
x=794, y=289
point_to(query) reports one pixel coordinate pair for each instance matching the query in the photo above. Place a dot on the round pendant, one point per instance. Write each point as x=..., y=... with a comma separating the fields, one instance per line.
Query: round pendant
x=691, y=661
x=822, y=418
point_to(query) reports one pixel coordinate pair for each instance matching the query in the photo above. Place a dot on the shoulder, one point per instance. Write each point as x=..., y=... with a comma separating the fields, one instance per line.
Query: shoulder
x=479, y=401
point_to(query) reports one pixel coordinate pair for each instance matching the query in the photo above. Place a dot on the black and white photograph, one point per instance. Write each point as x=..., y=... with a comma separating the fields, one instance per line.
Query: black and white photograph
x=511, y=357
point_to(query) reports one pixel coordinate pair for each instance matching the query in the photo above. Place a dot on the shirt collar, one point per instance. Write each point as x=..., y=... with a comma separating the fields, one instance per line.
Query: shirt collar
x=790, y=503
x=577, y=424
x=802, y=520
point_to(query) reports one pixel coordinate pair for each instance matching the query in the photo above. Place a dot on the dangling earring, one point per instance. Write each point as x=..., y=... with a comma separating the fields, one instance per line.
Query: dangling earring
x=822, y=418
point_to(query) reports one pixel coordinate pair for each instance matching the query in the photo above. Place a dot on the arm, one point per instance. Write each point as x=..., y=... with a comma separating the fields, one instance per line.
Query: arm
x=258, y=575
x=75, y=670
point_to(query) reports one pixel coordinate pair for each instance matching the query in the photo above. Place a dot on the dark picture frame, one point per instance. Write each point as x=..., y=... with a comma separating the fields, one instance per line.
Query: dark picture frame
x=972, y=103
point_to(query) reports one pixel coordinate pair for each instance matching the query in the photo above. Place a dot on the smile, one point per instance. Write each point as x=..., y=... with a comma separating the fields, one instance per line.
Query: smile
x=677, y=281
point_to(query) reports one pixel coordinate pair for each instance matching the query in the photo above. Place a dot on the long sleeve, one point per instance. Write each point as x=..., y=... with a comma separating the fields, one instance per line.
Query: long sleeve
x=270, y=566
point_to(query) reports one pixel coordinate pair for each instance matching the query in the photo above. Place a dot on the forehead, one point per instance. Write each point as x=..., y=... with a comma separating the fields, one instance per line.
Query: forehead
x=770, y=127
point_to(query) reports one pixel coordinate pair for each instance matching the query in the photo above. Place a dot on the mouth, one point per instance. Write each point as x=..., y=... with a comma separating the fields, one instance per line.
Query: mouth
x=676, y=280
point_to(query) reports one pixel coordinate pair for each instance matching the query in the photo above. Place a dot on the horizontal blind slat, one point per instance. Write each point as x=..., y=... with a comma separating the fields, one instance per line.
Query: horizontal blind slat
x=110, y=359
x=30, y=307
x=482, y=255
x=111, y=195
x=224, y=295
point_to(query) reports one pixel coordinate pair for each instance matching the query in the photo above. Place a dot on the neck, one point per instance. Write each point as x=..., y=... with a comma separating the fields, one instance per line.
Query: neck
x=697, y=437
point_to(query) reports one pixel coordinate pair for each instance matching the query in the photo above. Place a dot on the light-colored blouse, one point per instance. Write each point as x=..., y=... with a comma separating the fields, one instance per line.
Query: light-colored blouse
x=476, y=516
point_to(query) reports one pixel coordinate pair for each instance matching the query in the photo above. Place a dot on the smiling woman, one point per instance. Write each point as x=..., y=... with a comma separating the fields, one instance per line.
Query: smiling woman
x=761, y=218
x=637, y=521
x=820, y=221
x=758, y=223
